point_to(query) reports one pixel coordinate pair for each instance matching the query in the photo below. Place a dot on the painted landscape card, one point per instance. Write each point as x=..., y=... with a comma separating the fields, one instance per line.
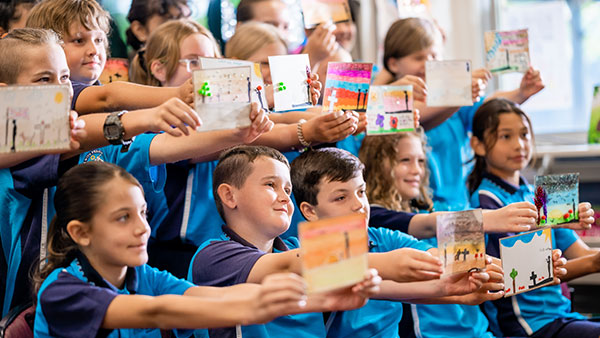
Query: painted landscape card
x=507, y=51
x=390, y=110
x=522, y=275
x=594, y=131
x=35, y=118
x=557, y=198
x=222, y=97
x=461, y=242
x=257, y=94
x=321, y=11
x=291, y=86
x=448, y=83
x=116, y=69
x=333, y=252
x=347, y=86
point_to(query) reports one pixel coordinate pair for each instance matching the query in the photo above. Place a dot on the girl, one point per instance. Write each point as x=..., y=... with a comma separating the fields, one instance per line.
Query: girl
x=96, y=273
x=502, y=142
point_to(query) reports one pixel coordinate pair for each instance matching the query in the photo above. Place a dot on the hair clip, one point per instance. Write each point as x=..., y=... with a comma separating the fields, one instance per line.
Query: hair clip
x=281, y=86
x=204, y=90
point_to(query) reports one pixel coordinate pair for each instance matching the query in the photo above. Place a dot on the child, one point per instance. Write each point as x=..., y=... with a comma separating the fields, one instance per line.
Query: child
x=502, y=142
x=96, y=274
x=13, y=14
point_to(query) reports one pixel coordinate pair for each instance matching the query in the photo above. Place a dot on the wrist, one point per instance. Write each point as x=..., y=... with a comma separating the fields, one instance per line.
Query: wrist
x=300, y=132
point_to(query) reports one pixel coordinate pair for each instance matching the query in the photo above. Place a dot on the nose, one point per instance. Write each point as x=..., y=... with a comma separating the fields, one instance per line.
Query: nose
x=92, y=48
x=357, y=204
x=141, y=226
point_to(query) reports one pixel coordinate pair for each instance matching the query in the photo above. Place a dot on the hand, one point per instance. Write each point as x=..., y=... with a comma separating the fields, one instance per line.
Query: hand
x=351, y=297
x=417, y=117
x=483, y=74
x=172, y=115
x=412, y=265
x=315, y=88
x=186, y=92
x=321, y=43
x=515, y=217
x=531, y=83
x=495, y=284
x=463, y=283
x=279, y=294
x=419, y=86
x=78, y=133
x=362, y=123
x=330, y=127
x=260, y=124
x=558, y=263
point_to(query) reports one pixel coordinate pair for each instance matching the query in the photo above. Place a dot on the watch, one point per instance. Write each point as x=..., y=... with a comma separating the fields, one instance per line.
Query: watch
x=114, y=131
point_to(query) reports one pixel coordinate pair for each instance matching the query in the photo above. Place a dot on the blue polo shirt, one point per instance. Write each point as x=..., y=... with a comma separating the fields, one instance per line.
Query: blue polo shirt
x=448, y=159
x=27, y=195
x=525, y=313
x=73, y=301
x=379, y=318
x=228, y=260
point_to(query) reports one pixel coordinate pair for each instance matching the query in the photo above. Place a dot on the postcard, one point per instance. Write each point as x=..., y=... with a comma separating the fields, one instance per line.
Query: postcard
x=347, y=86
x=461, y=241
x=448, y=83
x=557, y=198
x=390, y=110
x=507, y=51
x=291, y=80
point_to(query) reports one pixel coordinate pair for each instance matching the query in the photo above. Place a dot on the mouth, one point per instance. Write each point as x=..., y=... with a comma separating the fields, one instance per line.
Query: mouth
x=141, y=246
x=414, y=183
x=284, y=210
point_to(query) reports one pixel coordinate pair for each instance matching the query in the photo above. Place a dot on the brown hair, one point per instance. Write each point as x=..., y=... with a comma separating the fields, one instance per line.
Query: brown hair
x=235, y=165
x=164, y=45
x=13, y=49
x=485, y=129
x=79, y=193
x=250, y=37
x=378, y=153
x=407, y=36
x=313, y=166
x=245, y=11
x=58, y=15
x=142, y=10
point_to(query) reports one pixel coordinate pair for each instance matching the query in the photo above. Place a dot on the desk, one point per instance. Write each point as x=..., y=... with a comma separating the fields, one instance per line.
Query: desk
x=549, y=152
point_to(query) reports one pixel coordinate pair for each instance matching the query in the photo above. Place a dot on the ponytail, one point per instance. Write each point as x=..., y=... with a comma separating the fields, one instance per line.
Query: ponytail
x=476, y=176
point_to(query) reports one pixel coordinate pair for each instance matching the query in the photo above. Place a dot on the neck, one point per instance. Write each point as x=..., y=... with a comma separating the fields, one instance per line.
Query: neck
x=511, y=177
x=114, y=274
x=253, y=235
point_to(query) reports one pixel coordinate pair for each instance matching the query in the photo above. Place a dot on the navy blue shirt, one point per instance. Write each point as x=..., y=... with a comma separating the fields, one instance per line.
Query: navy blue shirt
x=78, y=87
x=386, y=218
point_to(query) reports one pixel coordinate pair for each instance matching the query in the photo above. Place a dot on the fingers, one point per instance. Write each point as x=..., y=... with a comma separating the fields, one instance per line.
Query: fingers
x=166, y=127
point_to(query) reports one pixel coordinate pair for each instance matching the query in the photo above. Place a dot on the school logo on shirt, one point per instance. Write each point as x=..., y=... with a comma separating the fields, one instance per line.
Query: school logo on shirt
x=94, y=156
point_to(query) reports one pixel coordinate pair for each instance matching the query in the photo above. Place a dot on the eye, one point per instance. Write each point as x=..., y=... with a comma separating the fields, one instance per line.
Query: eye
x=77, y=41
x=99, y=40
x=43, y=79
x=421, y=161
x=362, y=192
x=340, y=198
x=123, y=218
x=288, y=191
x=64, y=78
x=405, y=160
x=144, y=213
x=270, y=184
x=194, y=63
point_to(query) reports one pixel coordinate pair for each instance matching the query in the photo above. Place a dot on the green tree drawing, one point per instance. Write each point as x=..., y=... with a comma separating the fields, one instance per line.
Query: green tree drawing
x=513, y=275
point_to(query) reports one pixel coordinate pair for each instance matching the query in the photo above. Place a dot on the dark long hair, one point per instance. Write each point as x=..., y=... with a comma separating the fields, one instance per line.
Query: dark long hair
x=485, y=129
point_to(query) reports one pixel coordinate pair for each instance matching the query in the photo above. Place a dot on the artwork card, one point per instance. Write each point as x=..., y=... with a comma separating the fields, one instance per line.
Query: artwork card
x=289, y=73
x=557, y=198
x=522, y=275
x=257, y=94
x=116, y=69
x=461, y=242
x=390, y=110
x=333, y=252
x=507, y=51
x=594, y=131
x=316, y=12
x=347, y=86
x=448, y=83
x=222, y=97
x=35, y=118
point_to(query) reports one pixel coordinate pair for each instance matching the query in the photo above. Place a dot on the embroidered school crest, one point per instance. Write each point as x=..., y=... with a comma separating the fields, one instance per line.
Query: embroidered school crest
x=95, y=155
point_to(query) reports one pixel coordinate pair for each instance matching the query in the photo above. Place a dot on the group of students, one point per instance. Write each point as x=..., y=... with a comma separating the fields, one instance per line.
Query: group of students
x=116, y=239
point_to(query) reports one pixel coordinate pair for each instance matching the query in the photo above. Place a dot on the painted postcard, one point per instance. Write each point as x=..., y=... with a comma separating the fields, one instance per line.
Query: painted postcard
x=291, y=86
x=321, y=11
x=594, y=131
x=333, y=252
x=461, y=242
x=448, y=83
x=257, y=84
x=522, y=275
x=116, y=69
x=347, y=86
x=390, y=110
x=222, y=97
x=557, y=198
x=35, y=118
x=507, y=51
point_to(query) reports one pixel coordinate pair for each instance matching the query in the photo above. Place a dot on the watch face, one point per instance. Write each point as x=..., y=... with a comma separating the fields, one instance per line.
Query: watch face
x=112, y=131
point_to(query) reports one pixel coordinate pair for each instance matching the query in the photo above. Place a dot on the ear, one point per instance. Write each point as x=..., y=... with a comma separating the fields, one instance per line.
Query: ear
x=226, y=193
x=140, y=31
x=478, y=146
x=158, y=70
x=79, y=232
x=394, y=65
x=308, y=211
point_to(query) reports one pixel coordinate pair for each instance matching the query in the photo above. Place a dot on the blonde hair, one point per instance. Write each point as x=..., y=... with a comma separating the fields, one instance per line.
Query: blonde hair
x=407, y=36
x=250, y=37
x=13, y=50
x=164, y=45
x=58, y=15
x=378, y=153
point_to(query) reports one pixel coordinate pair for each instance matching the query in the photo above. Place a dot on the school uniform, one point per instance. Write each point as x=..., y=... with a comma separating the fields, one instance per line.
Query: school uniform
x=378, y=318
x=27, y=196
x=78, y=87
x=532, y=311
x=449, y=157
x=73, y=301
x=227, y=260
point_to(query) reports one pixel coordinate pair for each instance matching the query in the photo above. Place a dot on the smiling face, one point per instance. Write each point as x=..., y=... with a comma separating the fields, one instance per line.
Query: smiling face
x=414, y=63
x=409, y=168
x=86, y=52
x=337, y=198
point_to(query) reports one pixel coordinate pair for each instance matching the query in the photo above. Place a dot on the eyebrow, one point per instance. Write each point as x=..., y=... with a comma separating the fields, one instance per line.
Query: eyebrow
x=44, y=72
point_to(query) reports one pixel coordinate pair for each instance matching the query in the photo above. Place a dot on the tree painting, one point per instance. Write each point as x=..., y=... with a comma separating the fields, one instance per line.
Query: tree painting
x=513, y=275
x=540, y=201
